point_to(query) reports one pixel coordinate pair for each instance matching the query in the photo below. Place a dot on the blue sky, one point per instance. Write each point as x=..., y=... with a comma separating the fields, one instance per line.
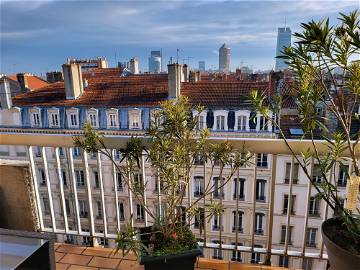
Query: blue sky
x=38, y=36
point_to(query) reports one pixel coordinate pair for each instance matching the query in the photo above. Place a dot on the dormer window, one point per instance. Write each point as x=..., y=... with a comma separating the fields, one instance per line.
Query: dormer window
x=35, y=117
x=201, y=124
x=92, y=118
x=220, y=120
x=135, y=119
x=73, y=118
x=54, y=118
x=263, y=124
x=242, y=120
x=112, y=119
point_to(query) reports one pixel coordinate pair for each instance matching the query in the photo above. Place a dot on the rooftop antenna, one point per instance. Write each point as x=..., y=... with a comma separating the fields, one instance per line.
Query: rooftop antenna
x=285, y=22
x=177, y=56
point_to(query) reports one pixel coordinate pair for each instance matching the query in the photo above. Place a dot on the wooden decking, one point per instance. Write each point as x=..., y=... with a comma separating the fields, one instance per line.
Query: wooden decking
x=69, y=257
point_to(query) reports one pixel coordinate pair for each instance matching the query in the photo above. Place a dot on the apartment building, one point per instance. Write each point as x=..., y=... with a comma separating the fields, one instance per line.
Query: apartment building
x=96, y=199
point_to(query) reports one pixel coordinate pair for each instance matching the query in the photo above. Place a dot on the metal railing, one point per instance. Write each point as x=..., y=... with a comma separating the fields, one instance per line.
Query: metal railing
x=57, y=194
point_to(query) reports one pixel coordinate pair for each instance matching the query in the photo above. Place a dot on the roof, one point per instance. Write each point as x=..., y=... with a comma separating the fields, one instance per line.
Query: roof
x=34, y=82
x=106, y=88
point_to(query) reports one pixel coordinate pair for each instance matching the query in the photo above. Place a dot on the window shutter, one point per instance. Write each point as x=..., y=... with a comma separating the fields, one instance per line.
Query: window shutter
x=252, y=120
x=210, y=119
x=231, y=120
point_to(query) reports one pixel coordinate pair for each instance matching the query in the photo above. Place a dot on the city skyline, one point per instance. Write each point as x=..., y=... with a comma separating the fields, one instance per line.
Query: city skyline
x=45, y=36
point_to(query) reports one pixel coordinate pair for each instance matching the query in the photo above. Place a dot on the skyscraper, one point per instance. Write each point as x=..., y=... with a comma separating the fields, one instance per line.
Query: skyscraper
x=283, y=40
x=202, y=65
x=224, y=58
x=155, y=62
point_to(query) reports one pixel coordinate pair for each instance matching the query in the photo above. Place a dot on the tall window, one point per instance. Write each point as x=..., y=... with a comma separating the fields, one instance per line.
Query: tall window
x=99, y=210
x=216, y=222
x=54, y=119
x=217, y=189
x=83, y=212
x=286, y=203
x=236, y=255
x=220, y=122
x=314, y=206
x=283, y=234
x=86, y=239
x=117, y=154
x=198, y=186
x=138, y=182
x=217, y=253
x=80, y=180
x=112, y=120
x=262, y=160
x=73, y=120
x=260, y=190
x=239, y=186
x=135, y=119
x=242, y=122
x=259, y=220
x=199, y=160
x=256, y=257
x=239, y=216
x=262, y=123
x=96, y=180
x=67, y=207
x=343, y=172
x=42, y=177
x=46, y=206
x=201, y=122
x=317, y=176
x=311, y=237
x=64, y=180
x=93, y=119
x=77, y=152
x=295, y=175
x=200, y=219
x=36, y=119
x=140, y=215
x=119, y=181
x=121, y=211
x=283, y=261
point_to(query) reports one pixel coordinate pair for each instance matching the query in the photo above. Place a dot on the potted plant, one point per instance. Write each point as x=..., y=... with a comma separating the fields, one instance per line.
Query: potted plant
x=319, y=51
x=173, y=146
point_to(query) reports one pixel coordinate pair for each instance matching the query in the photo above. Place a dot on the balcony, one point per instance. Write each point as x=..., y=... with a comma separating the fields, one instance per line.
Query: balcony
x=68, y=227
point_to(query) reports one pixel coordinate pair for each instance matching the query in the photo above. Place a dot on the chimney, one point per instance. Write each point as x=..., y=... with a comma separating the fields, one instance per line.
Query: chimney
x=195, y=76
x=174, y=80
x=186, y=72
x=73, y=80
x=22, y=80
x=5, y=94
x=134, y=66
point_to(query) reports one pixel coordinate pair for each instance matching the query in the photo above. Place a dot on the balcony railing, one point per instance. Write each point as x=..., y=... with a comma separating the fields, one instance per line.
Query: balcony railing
x=71, y=228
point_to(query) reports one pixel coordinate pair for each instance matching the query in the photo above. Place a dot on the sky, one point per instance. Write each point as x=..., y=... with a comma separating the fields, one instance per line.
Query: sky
x=39, y=36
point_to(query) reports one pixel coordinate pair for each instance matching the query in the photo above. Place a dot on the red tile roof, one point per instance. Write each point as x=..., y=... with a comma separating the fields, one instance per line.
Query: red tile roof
x=34, y=82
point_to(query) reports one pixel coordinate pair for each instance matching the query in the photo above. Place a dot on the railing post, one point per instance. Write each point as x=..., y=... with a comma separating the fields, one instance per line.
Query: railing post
x=289, y=205
x=103, y=204
x=36, y=187
x=115, y=180
x=48, y=187
x=271, y=209
x=131, y=207
x=253, y=210
x=143, y=171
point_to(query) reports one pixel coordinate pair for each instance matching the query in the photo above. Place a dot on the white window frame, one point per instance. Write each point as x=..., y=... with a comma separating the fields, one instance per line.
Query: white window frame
x=134, y=115
x=242, y=113
x=109, y=121
x=223, y=113
x=198, y=186
x=35, y=121
x=69, y=113
x=140, y=212
x=91, y=114
x=201, y=124
x=54, y=113
x=233, y=219
x=269, y=124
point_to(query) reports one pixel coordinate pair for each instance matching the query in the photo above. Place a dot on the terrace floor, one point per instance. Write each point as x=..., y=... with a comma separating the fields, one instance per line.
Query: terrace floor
x=70, y=257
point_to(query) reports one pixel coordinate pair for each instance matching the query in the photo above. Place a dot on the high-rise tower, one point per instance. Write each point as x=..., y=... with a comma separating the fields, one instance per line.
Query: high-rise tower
x=283, y=41
x=224, y=58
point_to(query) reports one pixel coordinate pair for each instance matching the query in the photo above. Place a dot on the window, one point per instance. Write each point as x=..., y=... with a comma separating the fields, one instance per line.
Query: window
x=242, y=122
x=103, y=241
x=217, y=189
x=61, y=152
x=198, y=186
x=121, y=211
x=83, y=209
x=260, y=190
x=157, y=180
x=286, y=203
x=138, y=183
x=77, y=152
x=256, y=257
x=38, y=152
x=317, y=176
x=236, y=255
x=46, y=206
x=217, y=253
x=86, y=239
x=216, y=222
x=73, y=118
x=283, y=261
x=99, y=210
x=67, y=207
x=239, y=215
x=314, y=206
x=92, y=118
x=343, y=174
x=80, y=180
x=283, y=234
x=54, y=119
x=70, y=239
x=64, y=180
x=307, y=264
x=96, y=180
x=200, y=219
x=201, y=122
x=259, y=218
x=311, y=237
x=239, y=185
x=262, y=123
x=35, y=118
x=262, y=160
x=42, y=177
x=117, y=154
x=199, y=160
x=119, y=181
x=140, y=212
x=135, y=119
x=220, y=122
x=295, y=175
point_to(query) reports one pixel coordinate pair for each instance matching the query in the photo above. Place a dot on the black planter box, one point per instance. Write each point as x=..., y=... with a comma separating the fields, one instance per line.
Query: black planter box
x=181, y=261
